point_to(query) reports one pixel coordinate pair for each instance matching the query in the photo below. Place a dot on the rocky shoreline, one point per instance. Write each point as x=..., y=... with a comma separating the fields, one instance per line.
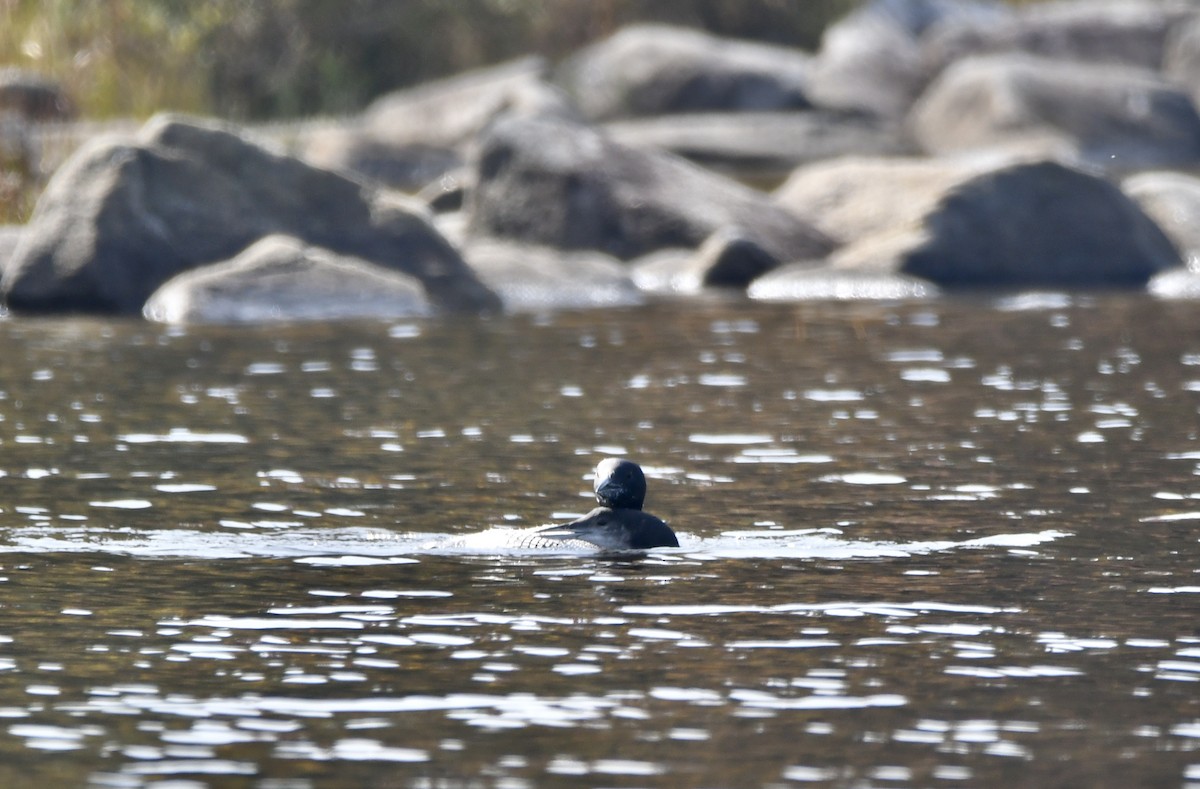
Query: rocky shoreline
x=927, y=146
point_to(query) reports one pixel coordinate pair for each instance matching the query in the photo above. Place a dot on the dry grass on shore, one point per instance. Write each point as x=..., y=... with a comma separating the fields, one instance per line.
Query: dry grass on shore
x=287, y=59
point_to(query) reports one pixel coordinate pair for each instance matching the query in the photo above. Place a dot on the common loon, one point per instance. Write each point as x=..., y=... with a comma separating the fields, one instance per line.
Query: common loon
x=618, y=524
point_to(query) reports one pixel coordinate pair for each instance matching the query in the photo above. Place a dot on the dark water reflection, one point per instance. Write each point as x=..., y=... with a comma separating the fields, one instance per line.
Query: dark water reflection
x=942, y=544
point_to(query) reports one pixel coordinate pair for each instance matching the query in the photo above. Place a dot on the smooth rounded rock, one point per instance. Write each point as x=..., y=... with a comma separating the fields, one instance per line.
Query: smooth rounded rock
x=648, y=70
x=570, y=186
x=529, y=278
x=1172, y=200
x=1115, y=118
x=728, y=259
x=1115, y=32
x=854, y=197
x=1039, y=225
x=871, y=60
x=762, y=147
x=281, y=279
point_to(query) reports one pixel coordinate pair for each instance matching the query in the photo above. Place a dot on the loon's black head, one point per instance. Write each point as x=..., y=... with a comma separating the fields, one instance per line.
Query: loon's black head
x=620, y=484
x=619, y=530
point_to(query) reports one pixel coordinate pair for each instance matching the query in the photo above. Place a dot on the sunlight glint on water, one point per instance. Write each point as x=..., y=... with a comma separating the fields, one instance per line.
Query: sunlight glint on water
x=942, y=544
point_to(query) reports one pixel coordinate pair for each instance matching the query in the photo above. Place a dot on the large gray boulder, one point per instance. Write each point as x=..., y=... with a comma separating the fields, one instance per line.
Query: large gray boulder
x=10, y=236
x=761, y=146
x=1113, y=32
x=1172, y=200
x=569, y=186
x=1181, y=63
x=281, y=279
x=124, y=216
x=350, y=149
x=657, y=69
x=727, y=260
x=450, y=112
x=856, y=197
x=1112, y=117
x=871, y=60
x=1026, y=225
x=530, y=278
x=410, y=137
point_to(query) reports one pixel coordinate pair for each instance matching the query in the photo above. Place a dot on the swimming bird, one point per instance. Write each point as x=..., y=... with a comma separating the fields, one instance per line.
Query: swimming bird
x=618, y=524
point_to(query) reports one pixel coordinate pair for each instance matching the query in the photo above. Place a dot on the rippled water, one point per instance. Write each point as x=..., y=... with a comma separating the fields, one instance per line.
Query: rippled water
x=938, y=544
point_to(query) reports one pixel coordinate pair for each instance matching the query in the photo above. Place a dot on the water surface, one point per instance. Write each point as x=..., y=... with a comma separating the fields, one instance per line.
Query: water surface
x=949, y=543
